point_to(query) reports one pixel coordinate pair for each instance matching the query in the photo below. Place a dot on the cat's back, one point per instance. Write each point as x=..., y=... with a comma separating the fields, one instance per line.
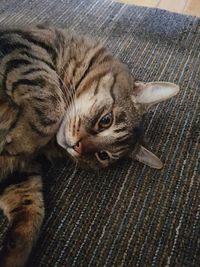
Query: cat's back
x=23, y=52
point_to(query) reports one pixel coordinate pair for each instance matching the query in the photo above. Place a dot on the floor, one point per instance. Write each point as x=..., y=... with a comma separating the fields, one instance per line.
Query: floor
x=190, y=7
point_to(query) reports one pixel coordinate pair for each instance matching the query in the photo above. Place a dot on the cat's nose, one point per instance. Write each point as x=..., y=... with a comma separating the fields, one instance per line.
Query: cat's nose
x=78, y=147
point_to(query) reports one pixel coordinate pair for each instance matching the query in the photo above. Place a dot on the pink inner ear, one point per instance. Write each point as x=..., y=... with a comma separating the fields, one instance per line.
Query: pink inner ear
x=154, y=92
x=148, y=158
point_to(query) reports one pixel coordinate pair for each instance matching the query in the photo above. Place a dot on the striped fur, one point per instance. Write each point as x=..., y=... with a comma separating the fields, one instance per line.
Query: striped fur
x=57, y=86
x=43, y=72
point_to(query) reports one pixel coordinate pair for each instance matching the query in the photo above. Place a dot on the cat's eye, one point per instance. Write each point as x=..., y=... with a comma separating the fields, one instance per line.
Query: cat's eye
x=102, y=155
x=106, y=121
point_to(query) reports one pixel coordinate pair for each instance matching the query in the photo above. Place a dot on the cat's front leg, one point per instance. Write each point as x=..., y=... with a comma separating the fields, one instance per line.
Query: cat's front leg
x=21, y=199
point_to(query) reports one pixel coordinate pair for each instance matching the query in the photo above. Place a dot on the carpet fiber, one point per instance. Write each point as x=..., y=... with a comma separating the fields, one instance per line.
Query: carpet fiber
x=129, y=215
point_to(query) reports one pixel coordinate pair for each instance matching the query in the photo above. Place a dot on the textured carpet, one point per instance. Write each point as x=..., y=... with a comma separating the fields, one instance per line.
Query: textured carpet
x=129, y=215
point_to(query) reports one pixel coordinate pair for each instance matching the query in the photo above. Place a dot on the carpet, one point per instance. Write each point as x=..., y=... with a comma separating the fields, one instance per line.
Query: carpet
x=128, y=215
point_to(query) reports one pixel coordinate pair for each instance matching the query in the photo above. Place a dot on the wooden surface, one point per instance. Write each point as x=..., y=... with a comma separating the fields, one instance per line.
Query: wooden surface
x=190, y=7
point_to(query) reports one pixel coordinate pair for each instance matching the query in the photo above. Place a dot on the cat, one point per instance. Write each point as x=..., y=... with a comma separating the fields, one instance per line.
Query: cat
x=61, y=93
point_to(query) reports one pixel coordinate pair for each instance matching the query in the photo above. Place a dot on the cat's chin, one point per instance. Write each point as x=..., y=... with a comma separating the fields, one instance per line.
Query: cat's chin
x=75, y=155
x=84, y=164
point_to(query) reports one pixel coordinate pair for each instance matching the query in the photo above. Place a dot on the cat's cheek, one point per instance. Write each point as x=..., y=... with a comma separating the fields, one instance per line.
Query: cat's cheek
x=73, y=153
x=102, y=165
x=61, y=138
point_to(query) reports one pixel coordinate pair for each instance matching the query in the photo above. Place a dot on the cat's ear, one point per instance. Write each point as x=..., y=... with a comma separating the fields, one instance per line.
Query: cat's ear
x=147, y=94
x=145, y=156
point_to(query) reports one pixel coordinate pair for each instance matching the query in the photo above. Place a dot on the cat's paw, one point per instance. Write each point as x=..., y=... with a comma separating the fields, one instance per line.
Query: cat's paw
x=13, y=146
x=15, y=249
x=9, y=146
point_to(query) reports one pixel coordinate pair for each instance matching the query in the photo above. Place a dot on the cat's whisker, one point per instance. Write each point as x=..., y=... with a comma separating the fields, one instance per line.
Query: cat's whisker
x=70, y=100
x=67, y=97
x=67, y=102
x=69, y=91
x=73, y=103
x=74, y=98
x=65, y=87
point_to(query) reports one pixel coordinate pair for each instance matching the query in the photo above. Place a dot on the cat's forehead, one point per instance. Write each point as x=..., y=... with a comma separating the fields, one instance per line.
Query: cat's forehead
x=89, y=104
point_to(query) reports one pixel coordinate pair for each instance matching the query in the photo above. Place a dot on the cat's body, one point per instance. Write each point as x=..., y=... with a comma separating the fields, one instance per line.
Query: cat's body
x=56, y=85
x=32, y=90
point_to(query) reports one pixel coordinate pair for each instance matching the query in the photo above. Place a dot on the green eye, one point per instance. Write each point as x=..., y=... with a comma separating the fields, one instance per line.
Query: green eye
x=106, y=121
x=102, y=155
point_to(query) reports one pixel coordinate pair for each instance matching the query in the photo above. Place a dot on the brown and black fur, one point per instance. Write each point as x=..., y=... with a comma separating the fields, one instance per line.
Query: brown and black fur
x=33, y=65
x=42, y=70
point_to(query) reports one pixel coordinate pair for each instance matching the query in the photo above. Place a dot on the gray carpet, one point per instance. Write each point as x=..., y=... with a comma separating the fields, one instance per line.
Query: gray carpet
x=129, y=215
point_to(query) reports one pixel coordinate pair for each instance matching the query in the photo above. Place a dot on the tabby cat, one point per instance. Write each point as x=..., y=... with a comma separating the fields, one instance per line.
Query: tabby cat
x=61, y=92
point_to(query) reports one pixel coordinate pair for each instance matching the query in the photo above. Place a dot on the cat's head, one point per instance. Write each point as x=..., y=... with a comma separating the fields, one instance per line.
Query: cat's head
x=103, y=122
